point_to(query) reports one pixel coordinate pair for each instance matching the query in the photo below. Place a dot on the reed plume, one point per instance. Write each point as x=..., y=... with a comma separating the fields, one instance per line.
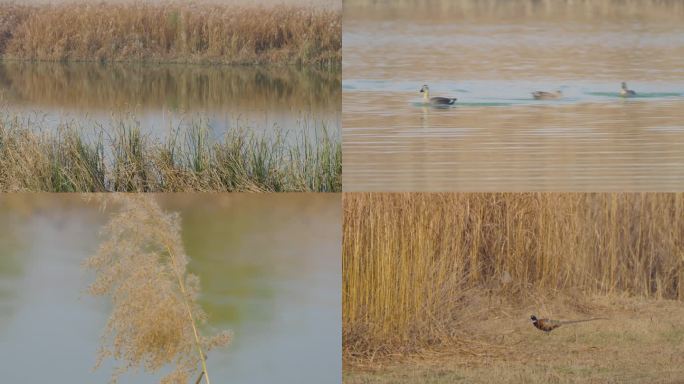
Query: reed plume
x=141, y=266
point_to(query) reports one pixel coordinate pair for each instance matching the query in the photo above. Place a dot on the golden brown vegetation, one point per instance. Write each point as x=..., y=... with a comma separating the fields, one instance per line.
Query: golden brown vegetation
x=141, y=265
x=122, y=158
x=173, y=32
x=418, y=267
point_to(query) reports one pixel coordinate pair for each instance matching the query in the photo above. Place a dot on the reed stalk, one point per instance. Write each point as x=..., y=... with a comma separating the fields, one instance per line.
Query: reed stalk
x=191, y=317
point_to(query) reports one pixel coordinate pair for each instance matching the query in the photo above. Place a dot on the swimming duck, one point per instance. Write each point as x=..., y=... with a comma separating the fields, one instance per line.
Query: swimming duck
x=541, y=95
x=425, y=90
x=624, y=92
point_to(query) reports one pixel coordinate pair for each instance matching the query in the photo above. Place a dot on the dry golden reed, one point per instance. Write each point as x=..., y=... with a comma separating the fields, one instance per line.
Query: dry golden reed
x=170, y=32
x=411, y=262
x=141, y=266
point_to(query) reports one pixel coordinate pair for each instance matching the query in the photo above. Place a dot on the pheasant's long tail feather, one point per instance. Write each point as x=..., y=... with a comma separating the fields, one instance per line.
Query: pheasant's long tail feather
x=583, y=321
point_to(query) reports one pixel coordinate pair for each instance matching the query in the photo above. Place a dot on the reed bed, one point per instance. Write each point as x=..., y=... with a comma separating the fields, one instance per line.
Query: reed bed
x=415, y=263
x=120, y=157
x=171, y=32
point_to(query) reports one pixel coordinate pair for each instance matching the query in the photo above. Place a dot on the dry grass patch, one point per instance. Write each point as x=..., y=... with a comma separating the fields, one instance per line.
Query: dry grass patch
x=171, y=32
x=642, y=342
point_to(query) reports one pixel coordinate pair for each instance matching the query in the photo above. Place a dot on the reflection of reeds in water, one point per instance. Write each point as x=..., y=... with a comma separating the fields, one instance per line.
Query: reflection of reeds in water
x=141, y=265
x=122, y=158
x=171, y=32
x=411, y=262
x=178, y=87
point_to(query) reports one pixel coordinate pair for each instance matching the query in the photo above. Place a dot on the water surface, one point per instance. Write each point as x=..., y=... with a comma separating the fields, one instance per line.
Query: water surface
x=270, y=272
x=491, y=55
x=164, y=97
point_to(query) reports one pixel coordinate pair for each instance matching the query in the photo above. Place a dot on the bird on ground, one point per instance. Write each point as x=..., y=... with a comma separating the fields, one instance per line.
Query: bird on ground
x=625, y=92
x=425, y=90
x=548, y=325
x=542, y=95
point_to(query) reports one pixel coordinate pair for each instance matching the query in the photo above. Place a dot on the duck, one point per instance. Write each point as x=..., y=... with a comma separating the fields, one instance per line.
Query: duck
x=624, y=92
x=542, y=95
x=425, y=90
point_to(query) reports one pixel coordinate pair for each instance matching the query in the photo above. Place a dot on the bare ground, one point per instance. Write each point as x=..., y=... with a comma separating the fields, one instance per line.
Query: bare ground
x=642, y=342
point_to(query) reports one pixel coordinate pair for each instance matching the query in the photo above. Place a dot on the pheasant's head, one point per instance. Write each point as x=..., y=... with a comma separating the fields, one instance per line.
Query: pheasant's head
x=533, y=318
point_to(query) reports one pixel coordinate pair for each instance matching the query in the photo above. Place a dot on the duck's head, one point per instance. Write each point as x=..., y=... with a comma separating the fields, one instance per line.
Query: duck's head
x=424, y=89
x=624, y=85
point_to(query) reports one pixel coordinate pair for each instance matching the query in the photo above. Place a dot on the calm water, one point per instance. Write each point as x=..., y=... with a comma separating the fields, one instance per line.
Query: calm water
x=270, y=272
x=164, y=97
x=491, y=55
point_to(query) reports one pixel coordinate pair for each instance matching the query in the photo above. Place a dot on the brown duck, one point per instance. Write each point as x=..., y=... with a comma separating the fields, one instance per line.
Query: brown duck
x=542, y=95
x=548, y=325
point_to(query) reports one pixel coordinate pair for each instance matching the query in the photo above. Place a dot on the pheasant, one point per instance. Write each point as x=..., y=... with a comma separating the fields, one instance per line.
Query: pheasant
x=548, y=325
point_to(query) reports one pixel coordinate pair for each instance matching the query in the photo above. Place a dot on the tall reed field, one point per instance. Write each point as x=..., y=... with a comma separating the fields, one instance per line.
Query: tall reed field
x=155, y=322
x=414, y=263
x=120, y=157
x=171, y=32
